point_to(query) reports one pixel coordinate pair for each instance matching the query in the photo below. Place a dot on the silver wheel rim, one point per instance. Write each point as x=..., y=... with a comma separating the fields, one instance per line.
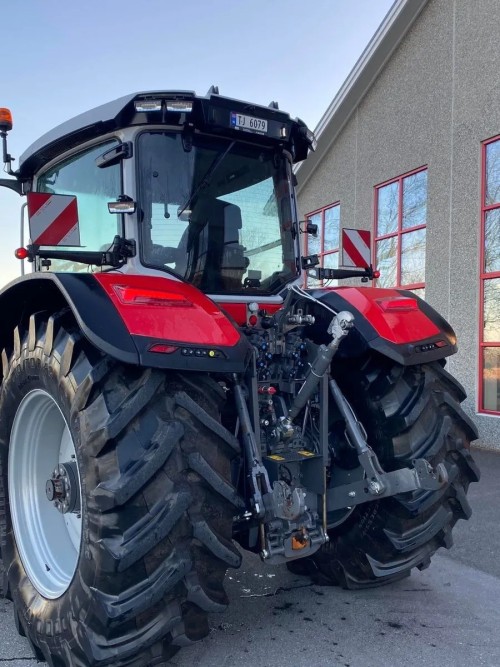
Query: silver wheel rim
x=48, y=541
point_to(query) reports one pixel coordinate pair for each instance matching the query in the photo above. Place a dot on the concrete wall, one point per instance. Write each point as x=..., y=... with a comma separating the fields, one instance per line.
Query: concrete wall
x=433, y=104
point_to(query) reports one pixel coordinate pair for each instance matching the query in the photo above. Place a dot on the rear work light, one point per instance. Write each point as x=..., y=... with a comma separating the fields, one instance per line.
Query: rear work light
x=152, y=106
x=138, y=296
x=181, y=106
x=148, y=105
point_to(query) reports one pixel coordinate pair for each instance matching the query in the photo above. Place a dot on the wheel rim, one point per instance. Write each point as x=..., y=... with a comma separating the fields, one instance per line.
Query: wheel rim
x=47, y=539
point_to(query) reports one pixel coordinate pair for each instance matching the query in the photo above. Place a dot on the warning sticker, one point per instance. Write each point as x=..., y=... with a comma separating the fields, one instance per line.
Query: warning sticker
x=53, y=219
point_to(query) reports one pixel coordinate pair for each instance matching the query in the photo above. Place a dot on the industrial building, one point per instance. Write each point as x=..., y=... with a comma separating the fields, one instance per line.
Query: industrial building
x=409, y=149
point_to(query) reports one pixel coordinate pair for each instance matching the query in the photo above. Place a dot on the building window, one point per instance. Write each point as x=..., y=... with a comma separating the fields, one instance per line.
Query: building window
x=400, y=222
x=326, y=243
x=489, y=335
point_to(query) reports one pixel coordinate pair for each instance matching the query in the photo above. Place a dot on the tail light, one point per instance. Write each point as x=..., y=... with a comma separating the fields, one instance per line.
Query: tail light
x=139, y=296
x=21, y=253
x=392, y=304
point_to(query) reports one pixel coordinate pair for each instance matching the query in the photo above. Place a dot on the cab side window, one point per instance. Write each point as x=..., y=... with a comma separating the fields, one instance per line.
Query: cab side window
x=93, y=188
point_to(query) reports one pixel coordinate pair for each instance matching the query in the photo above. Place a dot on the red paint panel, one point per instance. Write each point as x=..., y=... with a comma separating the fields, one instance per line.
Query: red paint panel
x=167, y=309
x=396, y=325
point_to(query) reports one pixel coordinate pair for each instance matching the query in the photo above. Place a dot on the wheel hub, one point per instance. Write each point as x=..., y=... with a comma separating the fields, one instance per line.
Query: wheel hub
x=48, y=541
x=63, y=490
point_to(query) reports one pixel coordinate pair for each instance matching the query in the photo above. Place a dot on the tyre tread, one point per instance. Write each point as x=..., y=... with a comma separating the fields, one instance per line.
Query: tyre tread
x=160, y=504
x=408, y=412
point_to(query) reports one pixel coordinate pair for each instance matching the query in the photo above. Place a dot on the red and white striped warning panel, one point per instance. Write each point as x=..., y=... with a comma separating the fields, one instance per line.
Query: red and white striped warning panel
x=356, y=248
x=53, y=219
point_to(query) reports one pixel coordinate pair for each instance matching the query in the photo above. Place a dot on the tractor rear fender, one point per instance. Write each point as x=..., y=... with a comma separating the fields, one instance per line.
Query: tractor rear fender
x=141, y=320
x=395, y=323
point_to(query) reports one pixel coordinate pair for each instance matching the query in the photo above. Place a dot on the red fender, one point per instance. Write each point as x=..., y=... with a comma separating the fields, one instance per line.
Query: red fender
x=166, y=309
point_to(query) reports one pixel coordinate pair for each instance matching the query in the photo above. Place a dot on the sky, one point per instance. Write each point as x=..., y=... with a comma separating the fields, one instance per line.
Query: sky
x=60, y=58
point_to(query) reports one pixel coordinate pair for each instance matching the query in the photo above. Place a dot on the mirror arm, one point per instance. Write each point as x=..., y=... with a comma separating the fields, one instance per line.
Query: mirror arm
x=115, y=256
x=7, y=158
x=17, y=186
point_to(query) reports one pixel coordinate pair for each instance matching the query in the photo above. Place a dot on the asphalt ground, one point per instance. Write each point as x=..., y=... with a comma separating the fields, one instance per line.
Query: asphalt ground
x=447, y=615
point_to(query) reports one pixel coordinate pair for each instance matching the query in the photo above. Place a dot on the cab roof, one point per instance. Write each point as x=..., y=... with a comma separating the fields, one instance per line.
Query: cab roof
x=208, y=113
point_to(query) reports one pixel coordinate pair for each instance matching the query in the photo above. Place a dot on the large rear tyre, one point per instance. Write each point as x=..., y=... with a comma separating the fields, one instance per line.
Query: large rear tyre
x=408, y=413
x=116, y=505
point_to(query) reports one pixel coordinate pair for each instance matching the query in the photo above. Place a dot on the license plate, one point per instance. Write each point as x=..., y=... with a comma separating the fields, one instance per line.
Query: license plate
x=248, y=123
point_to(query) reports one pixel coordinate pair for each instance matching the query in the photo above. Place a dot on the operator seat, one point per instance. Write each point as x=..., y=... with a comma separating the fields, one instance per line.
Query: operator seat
x=215, y=257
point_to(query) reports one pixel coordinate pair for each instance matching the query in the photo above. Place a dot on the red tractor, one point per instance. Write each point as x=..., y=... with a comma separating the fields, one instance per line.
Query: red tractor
x=169, y=389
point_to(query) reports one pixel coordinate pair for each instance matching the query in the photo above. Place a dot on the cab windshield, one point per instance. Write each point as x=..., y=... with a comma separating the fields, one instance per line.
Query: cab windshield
x=216, y=212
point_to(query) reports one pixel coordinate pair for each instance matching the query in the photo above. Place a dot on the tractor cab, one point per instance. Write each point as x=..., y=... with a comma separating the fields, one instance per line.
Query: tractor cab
x=197, y=188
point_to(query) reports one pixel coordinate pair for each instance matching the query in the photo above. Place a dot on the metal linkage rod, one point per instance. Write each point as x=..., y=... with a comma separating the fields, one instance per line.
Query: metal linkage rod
x=339, y=328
